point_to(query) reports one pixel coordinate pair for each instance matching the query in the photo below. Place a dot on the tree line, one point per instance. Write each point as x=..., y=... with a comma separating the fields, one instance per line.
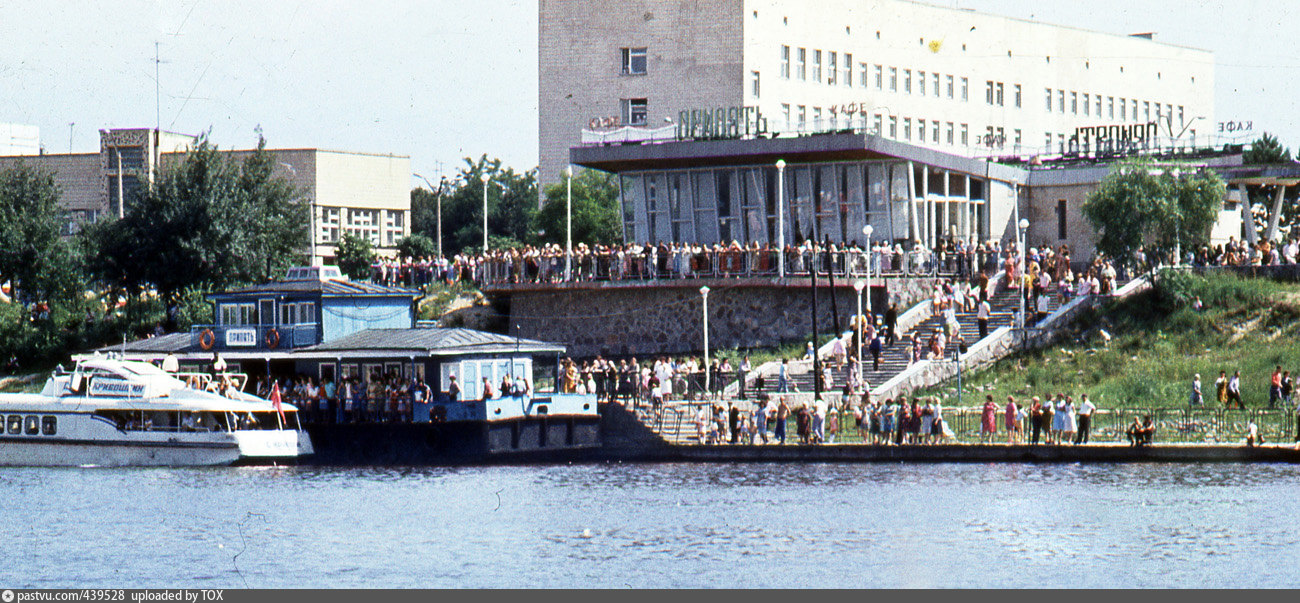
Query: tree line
x=514, y=219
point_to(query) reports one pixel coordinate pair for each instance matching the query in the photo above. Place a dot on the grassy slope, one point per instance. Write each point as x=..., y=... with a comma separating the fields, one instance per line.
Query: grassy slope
x=1158, y=343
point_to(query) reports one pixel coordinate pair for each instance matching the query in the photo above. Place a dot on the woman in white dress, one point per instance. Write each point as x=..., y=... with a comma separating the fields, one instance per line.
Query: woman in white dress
x=1059, y=418
x=1071, y=421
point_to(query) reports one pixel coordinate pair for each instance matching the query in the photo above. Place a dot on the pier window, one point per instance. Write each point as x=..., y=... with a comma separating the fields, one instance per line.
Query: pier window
x=32, y=426
x=234, y=315
x=14, y=425
x=49, y=425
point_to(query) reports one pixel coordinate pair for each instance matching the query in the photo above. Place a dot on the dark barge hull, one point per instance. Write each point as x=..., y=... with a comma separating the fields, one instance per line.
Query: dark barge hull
x=525, y=440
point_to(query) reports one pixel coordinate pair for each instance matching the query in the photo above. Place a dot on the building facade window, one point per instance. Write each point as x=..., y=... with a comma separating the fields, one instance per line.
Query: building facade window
x=862, y=75
x=1096, y=104
x=802, y=71
x=878, y=124
x=1123, y=109
x=832, y=67
x=1060, y=101
x=999, y=95
x=1110, y=107
x=1146, y=111
x=893, y=127
x=951, y=131
x=1060, y=219
x=755, y=80
x=920, y=130
x=785, y=62
x=634, y=61
x=965, y=89
x=1074, y=103
x=880, y=76
x=848, y=70
x=935, y=79
x=1017, y=95
x=907, y=81
x=934, y=129
x=1049, y=99
x=920, y=83
x=635, y=111
x=893, y=79
x=907, y=128
x=965, y=134
x=1017, y=140
x=1085, y=105
x=988, y=92
x=817, y=66
x=803, y=117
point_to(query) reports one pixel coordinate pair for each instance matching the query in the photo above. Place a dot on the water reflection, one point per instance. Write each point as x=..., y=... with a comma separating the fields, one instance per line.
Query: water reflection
x=1063, y=525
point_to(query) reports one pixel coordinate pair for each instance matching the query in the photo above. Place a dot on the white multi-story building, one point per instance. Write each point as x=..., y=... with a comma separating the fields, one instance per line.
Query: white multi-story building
x=19, y=139
x=950, y=79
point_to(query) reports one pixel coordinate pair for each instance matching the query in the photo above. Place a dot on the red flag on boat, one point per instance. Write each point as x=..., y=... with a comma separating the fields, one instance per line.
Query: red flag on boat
x=275, y=400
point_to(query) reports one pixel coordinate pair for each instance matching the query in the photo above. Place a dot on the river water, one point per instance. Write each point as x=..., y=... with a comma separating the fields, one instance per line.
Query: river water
x=670, y=525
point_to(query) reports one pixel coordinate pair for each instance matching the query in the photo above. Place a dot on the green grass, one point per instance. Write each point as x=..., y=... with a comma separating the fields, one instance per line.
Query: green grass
x=438, y=297
x=1158, y=342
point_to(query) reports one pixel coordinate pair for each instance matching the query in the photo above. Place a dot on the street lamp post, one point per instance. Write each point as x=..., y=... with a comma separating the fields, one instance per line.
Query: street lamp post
x=704, y=293
x=442, y=185
x=867, y=231
x=485, y=179
x=568, y=224
x=780, y=218
x=1020, y=249
x=859, y=286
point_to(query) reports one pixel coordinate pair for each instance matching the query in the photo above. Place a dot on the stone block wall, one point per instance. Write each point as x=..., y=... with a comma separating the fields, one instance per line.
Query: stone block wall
x=666, y=317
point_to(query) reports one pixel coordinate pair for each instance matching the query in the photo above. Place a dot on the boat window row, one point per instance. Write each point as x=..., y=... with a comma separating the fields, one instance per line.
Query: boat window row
x=31, y=425
x=195, y=421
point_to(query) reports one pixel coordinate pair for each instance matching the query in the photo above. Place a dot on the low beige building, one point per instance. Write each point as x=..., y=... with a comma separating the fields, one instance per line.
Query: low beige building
x=365, y=194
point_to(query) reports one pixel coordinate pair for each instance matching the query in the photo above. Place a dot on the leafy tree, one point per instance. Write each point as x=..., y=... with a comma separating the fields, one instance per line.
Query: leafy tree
x=512, y=203
x=1158, y=206
x=33, y=257
x=595, y=210
x=1266, y=150
x=209, y=222
x=416, y=246
x=355, y=256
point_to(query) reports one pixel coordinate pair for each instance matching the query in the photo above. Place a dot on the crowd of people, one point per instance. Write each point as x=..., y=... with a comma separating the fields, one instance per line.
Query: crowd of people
x=383, y=398
x=636, y=261
x=653, y=382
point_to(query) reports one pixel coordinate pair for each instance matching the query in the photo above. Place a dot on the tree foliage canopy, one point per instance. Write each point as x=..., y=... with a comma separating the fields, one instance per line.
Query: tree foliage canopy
x=1157, y=206
x=1266, y=150
x=211, y=222
x=512, y=205
x=355, y=256
x=595, y=210
x=33, y=257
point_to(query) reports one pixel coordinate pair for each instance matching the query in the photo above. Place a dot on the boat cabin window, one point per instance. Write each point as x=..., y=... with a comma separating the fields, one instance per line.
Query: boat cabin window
x=15, y=424
x=33, y=425
x=49, y=425
x=164, y=420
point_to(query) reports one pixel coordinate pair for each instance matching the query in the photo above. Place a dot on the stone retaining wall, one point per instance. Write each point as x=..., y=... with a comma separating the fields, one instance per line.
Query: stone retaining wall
x=666, y=317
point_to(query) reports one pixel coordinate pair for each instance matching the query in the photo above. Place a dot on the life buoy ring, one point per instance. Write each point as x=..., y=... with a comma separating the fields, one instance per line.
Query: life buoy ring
x=272, y=338
x=207, y=339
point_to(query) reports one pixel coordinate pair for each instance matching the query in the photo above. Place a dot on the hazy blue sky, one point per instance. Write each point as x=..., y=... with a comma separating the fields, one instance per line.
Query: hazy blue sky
x=440, y=80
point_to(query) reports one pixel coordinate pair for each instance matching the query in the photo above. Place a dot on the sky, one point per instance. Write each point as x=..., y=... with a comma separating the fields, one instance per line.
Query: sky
x=440, y=80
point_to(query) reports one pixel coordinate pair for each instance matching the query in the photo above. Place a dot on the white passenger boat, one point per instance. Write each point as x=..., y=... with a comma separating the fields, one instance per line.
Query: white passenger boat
x=114, y=412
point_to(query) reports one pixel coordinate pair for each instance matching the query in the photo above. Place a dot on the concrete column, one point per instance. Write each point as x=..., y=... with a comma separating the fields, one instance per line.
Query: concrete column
x=947, y=203
x=1273, y=216
x=928, y=239
x=914, y=211
x=1247, y=221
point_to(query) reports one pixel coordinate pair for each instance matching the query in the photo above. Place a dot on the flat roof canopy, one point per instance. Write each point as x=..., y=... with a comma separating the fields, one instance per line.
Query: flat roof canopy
x=816, y=148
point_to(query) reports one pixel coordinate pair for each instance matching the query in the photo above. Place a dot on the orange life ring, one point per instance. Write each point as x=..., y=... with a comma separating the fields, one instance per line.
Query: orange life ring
x=272, y=338
x=207, y=339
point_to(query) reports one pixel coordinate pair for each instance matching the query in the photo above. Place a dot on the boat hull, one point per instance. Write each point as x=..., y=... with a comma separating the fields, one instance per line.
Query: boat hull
x=516, y=440
x=16, y=452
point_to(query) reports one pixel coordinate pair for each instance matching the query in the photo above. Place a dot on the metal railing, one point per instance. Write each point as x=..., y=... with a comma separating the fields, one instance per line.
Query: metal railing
x=738, y=263
x=676, y=422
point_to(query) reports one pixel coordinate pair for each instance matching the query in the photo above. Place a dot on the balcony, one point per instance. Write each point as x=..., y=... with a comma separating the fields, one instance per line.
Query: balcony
x=253, y=337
